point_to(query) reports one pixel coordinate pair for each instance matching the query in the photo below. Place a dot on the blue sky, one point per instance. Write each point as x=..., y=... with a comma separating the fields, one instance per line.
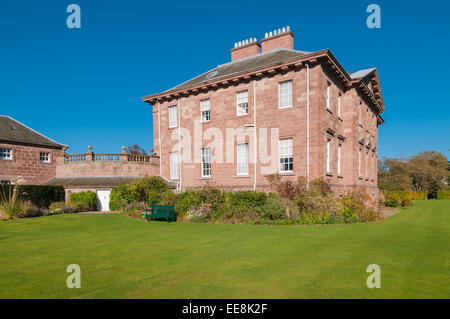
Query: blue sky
x=83, y=86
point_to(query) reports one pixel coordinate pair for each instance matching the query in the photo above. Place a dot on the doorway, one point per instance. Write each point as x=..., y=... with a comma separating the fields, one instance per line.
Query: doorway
x=103, y=200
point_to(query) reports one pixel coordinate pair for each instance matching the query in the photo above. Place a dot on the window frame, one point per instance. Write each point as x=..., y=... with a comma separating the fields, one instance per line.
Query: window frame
x=45, y=157
x=339, y=110
x=339, y=172
x=239, y=158
x=290, y=94
x=206, y=165
x=284, y=156
x=6, y=154
x=366, y=165
x=328, y=155
x=359, y=162
x=328, y=95
x=238, y=103
x=205, y=110
x=174, y=169
x=175, y=107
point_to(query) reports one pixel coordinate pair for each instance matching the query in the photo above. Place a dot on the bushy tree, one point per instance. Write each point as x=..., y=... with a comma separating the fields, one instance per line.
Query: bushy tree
x=136, y=149
x=426, y=171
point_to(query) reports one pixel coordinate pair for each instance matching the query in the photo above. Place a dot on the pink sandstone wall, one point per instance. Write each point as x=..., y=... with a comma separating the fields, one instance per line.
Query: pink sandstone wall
x=26, y=163
x=107, y=168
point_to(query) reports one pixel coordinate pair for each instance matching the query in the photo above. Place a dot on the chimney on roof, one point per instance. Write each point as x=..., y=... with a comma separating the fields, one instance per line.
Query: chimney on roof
x=246, y=48
x=276, y=39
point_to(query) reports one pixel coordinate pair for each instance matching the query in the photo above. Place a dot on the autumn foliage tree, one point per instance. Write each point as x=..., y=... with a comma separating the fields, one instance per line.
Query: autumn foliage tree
x=426, y=171
x=136, y=149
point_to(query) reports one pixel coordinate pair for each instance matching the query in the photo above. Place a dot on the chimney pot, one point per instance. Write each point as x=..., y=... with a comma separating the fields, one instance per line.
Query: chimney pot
x=278, y=38
x=245, y=48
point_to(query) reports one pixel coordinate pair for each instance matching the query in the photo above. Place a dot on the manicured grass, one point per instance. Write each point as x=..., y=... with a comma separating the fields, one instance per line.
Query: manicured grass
x=124, y=258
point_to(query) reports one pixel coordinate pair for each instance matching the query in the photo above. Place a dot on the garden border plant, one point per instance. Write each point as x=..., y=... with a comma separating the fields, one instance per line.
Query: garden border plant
x=291, y=203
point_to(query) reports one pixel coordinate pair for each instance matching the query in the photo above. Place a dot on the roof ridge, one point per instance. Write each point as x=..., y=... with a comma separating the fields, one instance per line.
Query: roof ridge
x=261, y=54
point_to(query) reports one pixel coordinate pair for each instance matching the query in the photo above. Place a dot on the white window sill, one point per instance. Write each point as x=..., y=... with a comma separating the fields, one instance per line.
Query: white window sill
x=285, y=107
x=287, y=173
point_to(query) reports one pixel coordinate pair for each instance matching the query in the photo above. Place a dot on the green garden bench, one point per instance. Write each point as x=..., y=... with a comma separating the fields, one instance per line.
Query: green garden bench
x=166, y=212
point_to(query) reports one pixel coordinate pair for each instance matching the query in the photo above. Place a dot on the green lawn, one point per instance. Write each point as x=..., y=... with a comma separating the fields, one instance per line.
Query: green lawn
x=124, y=258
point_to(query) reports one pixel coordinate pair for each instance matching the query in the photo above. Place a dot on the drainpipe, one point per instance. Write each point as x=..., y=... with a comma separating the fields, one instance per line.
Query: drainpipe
x=307, y=126
x=159, y=137
x=254, y=133
x=179, y=138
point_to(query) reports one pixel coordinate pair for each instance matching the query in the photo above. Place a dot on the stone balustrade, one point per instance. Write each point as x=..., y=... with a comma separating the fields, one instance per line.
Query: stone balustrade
x=106, y=164
x=108, y=157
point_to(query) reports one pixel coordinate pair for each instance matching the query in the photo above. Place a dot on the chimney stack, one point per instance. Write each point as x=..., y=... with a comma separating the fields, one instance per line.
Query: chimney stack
x=282, y=37
x=246, y=48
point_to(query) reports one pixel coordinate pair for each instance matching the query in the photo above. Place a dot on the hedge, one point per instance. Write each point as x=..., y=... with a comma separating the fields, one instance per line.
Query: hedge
x=398, y=198
x=41, y=196
x=443, y=195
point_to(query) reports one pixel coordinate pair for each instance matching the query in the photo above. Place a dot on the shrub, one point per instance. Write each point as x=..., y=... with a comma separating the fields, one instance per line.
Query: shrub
x=120, y=196
x=31, y=210
x=10, y=204
x=199, y=214
x=354, y=208
x=84, y=200
x=148, y=189
x=211, y=195
x=187, y=199
x=273, y=209
x=135, y=210
x=168, y=198
x=153, y=198
x=249, y=199
x=65, y=208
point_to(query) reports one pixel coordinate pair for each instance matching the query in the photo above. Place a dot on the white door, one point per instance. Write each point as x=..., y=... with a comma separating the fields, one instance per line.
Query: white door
x=103, y=200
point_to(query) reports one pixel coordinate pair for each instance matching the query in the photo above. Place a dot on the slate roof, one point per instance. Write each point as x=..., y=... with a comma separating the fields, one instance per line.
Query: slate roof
x=361, y=73
x=101, y=181
x=245, y=64
x=14, y=131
